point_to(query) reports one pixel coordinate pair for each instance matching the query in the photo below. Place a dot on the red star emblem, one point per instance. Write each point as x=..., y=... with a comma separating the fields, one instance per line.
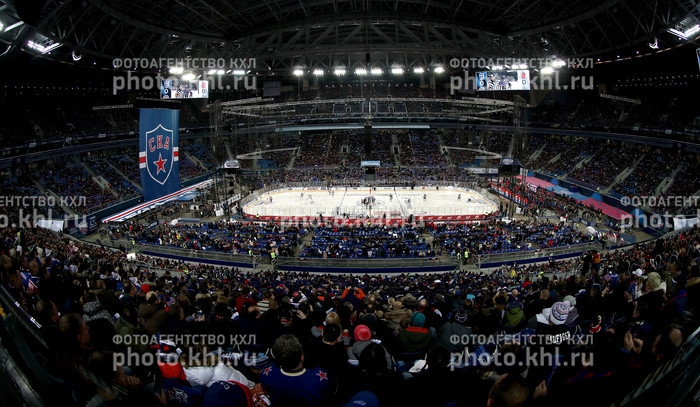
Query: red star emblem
x=322, y=375
x=160, y=164
x=267, y=371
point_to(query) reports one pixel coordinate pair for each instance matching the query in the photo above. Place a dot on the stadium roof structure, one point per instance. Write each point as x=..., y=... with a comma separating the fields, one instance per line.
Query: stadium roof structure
x=282, y=35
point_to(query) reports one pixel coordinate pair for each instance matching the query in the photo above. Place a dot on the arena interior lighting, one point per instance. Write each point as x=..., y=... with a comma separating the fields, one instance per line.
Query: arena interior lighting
x=13, y=26
x=339, y=71
x=239, y=72
x=42, y=49
x=177, y=70
x=418, y=70
x=298, y=72
x=439, y=69
x=397, y=70
x=686, y=29
x=376, y=71
x=318, y=72
x=189, y=76
x=361, y=71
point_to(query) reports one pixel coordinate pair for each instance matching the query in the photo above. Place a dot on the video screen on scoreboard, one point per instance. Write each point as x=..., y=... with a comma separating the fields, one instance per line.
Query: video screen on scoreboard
x=177, y=89
x=503, y=80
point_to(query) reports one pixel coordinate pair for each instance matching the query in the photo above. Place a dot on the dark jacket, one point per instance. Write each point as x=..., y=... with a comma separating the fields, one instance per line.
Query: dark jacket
x=153, y=317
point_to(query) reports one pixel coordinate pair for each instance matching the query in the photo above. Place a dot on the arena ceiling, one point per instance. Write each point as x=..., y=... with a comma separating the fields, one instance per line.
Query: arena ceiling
x=283, y=34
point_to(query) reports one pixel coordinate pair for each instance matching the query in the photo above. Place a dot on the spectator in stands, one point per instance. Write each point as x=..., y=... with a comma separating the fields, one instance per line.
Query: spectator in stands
x=355, y=296
x=227, y=394
x=515, y=316
x=76, y=342
x=152, y=313
x=396, y=315
x=15, y=287
x=415, y=338
x=264, y=304
x=114, y=386
x=438, y=373
x=388, y=385
x=328, y=353
x=48, y=316
x=362, y=338
x=289, y=382
x=652, y=340
x=203, y=367
x=457, y=328
x=509, y=390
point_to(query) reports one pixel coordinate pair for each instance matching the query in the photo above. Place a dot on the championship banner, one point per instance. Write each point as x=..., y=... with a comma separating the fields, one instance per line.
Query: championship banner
x=158, y=152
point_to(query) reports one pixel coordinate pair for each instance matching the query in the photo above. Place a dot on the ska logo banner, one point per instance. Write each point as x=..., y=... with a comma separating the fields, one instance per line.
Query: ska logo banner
x=158, y=152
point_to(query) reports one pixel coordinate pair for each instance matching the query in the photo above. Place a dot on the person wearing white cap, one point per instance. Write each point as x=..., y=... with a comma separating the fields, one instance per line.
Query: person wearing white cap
x=637, y=283
x=552, y=339
x=551, y=323
x=573, y=312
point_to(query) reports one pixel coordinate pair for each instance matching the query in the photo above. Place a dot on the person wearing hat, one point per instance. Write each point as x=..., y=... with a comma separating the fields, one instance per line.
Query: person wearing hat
x=362, y=337
x=573, y=312
x=227, y=394
x=554, y=316
x=455, y=328
x=363, y=399
x=637, y=283
x=514, y=316
x=552, y=340
x=416, y=337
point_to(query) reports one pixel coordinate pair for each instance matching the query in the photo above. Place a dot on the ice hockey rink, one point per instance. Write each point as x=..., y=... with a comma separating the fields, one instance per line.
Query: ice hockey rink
x=423, y=203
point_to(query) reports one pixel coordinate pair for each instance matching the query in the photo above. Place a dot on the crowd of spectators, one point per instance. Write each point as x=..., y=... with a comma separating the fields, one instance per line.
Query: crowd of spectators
x=537, y=201
x=648, y=174
x=202, y=153
x=21, y=186
x=129, y=167
x=330, y=339
x=601, y=170
x=319, y=149
x=552, y=147
x=314, y=176
x=498, y=236
x=464, y=158
x=73, y=182
x=188, y=168
x=578, y=151
x=118, y=184
x=421, y=158
x=686, y=184
x=225, y=236
x=367, y=242
x=498, y=141
x=426, y=150
x=360, y=241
